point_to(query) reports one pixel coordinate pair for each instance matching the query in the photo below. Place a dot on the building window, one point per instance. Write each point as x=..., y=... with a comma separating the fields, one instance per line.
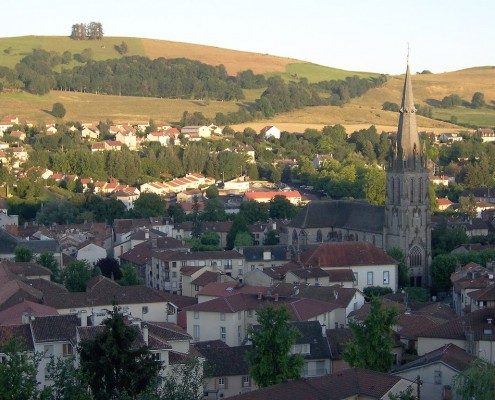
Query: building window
x=320, y=368
x=356, y=281
x=415, y=257
x=246, y=381
x=369, y=278
x=144, y=309
x=196, y=314
x=196, y=332
x=319, y=236
x=223, y=333
x=174, y=274
x=66, y=349
x=250, y=313
x=386, y=277
x=156, y=356
x=221, y=382
x=222, y=316
x=438, y=377
x=196, y=288
x=48, y=350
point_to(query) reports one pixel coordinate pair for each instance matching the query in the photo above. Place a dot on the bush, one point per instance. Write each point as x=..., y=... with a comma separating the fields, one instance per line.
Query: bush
x=376, y=291
x=389, y=106
x=58, y=110
x=121, y=48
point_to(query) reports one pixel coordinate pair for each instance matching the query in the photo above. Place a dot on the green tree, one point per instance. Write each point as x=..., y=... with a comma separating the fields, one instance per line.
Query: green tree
x=113, y=364
x=270, y=358
x=109, y=268
x=442, y=267
x=47, y=260
x=372, y=340
x=374, y=186
x=23, y=254
x=67, y=381
x=253, y=211
x=389, y=106
x=211, y=192
x=129, y=275
x=243, y=239
x=478, y=100
x=149, y=205
x=58, y=110
x=238, y=225
x=271, y=238
x=75, y=276
x=18, y=372
x=281, y=208
x=185, y=382
x=468, y=206
x=407, y=394
x=476, y=382
x=213, y=211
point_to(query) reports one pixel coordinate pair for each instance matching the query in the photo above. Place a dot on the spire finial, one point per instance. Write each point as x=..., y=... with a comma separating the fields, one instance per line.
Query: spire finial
x=407, y=53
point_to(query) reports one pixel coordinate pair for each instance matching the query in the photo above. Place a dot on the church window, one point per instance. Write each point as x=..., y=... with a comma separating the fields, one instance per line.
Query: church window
x=421, y=195
x=319, y=236
x=415, y=257
x=392, y=189
x=304, y=237
x=398, y=189
x=412, y=190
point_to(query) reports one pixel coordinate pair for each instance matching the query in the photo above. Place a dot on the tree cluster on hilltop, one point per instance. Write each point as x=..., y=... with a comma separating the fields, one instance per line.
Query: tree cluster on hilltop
x=91, y=31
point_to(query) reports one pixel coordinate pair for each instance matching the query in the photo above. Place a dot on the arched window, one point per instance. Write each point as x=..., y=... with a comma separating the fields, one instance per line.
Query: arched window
x=415, y=257
x=398, y=190
x=304, y=237
x=421, y=195
x=319, y=236
x=295, y=239
x=392, y=190
x=412, y=190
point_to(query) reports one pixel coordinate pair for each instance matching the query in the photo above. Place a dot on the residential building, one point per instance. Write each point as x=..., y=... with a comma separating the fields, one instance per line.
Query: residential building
x=443, y=203
x=270, y=132
x=196, y=131
x=7, y=122
x=266, y=196
x=437, y=371
x=262, y=257
x=91, y=253
x=195, y=279
x=371, y=266
x=127, y=138
x=164, y=273
x=184, y=230
x=486, y=134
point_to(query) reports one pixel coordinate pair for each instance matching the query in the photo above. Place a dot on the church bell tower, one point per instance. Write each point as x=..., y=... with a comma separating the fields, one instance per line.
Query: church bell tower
x=407, y=214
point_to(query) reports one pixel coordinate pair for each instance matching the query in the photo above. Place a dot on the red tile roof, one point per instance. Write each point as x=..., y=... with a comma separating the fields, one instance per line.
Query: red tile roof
x=205, y=278
x=255, y=195
x=13, y=315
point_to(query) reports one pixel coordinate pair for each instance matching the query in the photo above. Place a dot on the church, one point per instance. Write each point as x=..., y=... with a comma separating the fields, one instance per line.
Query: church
x=403, y=222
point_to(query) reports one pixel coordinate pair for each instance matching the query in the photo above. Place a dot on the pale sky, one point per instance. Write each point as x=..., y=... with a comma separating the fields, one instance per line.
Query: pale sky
x=359, y=35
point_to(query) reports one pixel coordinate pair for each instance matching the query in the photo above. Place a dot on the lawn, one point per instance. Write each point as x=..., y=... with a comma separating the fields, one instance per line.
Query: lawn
x=483, y=117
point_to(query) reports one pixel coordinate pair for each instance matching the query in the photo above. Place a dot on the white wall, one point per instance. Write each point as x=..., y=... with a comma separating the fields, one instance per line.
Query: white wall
x=378, y=270
x=91, y=253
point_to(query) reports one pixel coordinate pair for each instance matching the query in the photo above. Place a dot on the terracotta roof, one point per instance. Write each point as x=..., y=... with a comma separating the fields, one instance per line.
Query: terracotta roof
x=197, y=255
x=205, y=278
x=13, y=315
x=346, y=254
x=221, y=289
x=257, y=195
x=449, y=354
x=19, y=332
x=476, y=322
x=141, y=253
x=46, y=286
x=215, y=226
x=341, y=275
x=487, y=294
x=340, y=385
x=189, y=270
x=167, y=331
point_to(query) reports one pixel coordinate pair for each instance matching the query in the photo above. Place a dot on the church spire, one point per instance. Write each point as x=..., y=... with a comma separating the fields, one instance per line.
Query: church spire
x=408, y=144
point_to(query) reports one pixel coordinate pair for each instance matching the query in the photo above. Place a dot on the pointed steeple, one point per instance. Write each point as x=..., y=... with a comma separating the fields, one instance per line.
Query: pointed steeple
x=408, y=144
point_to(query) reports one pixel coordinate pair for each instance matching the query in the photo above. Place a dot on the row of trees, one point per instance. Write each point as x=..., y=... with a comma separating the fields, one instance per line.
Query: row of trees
x=91, y=31
x=454, y=100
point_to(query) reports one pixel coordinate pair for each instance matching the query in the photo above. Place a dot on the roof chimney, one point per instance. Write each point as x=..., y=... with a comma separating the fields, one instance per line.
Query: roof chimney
x=26, y=318
x=260, y=295
x=324, y=330
x=276, y=296
x=83, y=317
x=489, y=320
x=145, y=332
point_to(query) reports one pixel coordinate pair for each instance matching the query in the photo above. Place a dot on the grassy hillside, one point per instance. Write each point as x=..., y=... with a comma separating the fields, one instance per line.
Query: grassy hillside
x=233, y=60
x=92, y=107
x=430, y=87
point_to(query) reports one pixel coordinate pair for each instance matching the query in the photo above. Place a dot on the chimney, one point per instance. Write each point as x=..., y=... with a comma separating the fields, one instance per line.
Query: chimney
x=489, y=320
x=26, y=318
x=260, y=295
x=276, y=296
x=83, y=317
x=144, y=330
x=324, y=330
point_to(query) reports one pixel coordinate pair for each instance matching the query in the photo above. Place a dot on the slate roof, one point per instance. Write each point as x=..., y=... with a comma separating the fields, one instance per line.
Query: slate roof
x=19, y=332
x=348, y=214
x=310, y=332
x=225, y=361
x=450, y=354
x=55, y=328
x=340, y=275
x=8, y=243
x=310, y=273
x=337, y=386
x=167, y=331
x=255, y=253
x=337, y=340
x=346, y=254
x=207, y=226
x=46, y=286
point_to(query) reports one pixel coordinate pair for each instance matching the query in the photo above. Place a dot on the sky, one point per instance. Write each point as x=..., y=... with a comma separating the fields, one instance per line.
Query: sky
x=360, y=35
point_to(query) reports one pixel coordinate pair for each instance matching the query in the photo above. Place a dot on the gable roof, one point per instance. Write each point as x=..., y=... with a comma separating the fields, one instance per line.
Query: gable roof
x=55, y=328
x=337, y=386
x=348, y=214
x=346, y=254
x=337, y=340
x=309, y=273
x=450, y=354
x=205, y=278
x=224, y=360
x=13, y=315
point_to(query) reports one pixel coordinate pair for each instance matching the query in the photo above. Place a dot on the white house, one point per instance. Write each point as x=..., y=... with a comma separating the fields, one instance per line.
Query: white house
x=270, y=132
x=198, y=131
x=91, y=253
x=128, y=138
x=8, y=122
x=87, y=133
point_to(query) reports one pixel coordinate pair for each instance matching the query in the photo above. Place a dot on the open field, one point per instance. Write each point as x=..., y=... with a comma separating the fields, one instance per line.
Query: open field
x=92, y=107
x=480, y=117
x=233, y=60
x=318, y=73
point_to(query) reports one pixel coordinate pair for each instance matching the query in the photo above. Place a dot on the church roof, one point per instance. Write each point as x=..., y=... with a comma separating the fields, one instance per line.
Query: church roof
x=348, y=214
x=408, y=143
